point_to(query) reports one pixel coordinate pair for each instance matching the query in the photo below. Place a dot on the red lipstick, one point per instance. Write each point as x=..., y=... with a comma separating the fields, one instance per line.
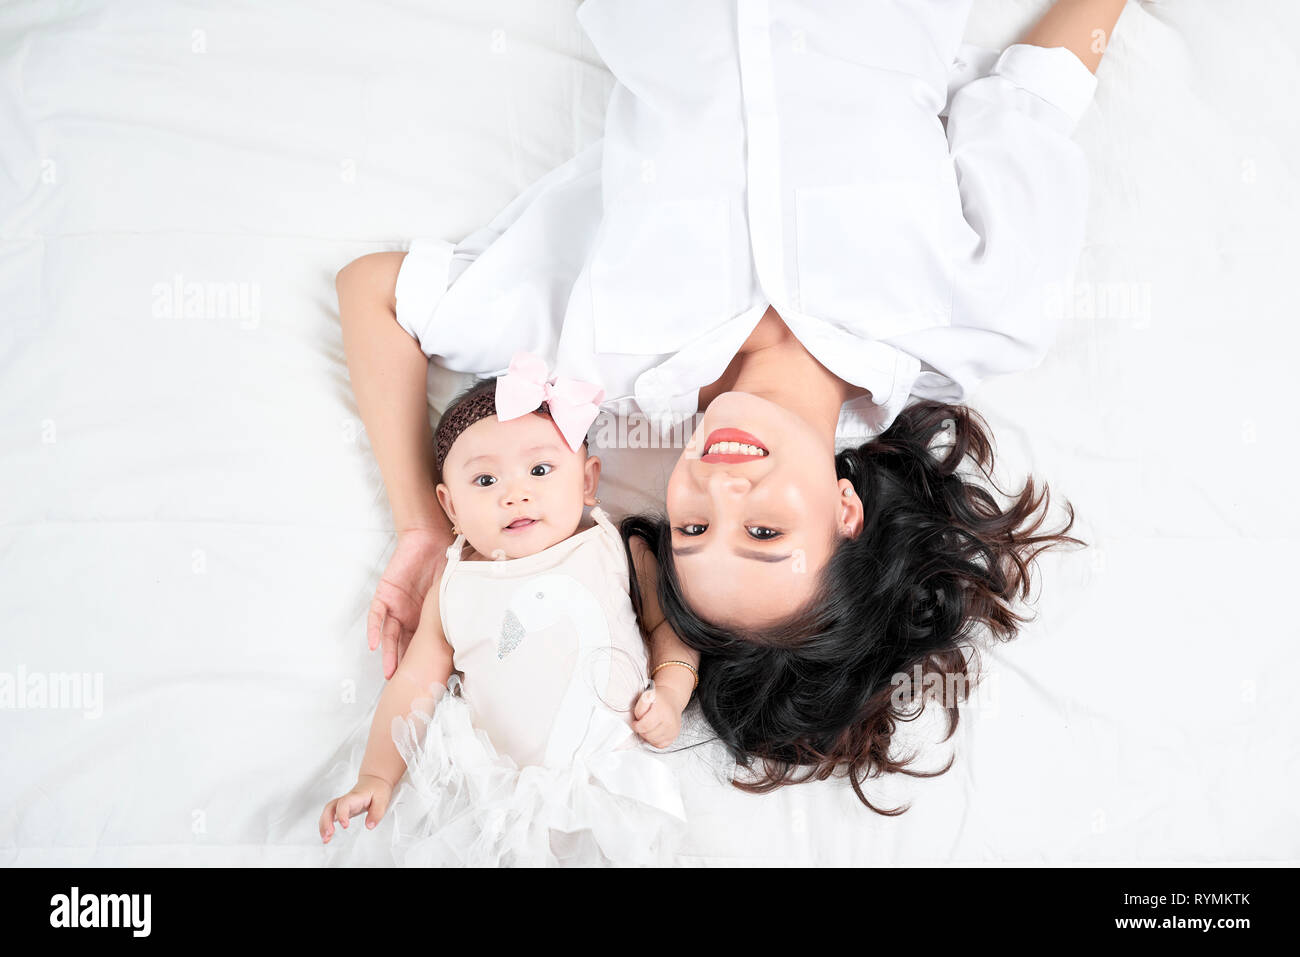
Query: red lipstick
x=729, y=458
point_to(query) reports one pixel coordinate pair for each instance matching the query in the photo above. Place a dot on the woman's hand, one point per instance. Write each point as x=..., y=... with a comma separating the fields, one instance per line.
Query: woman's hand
x=658, y=712
x=370, y=792
x=416, y=564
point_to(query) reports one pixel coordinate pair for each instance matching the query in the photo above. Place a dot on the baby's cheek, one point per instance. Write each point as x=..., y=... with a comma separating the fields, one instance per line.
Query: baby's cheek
x=569, y=503
x=576, y=493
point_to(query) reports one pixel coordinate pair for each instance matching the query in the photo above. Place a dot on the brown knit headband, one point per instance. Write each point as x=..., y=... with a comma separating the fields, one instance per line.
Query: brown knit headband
x=475, y=403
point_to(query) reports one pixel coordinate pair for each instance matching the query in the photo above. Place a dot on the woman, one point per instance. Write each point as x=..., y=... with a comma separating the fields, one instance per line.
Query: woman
x=777, y=230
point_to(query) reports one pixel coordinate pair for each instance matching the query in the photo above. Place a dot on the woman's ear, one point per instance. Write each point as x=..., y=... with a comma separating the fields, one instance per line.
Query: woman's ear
x=849, y=511
x=444, y=499
x=590, y=479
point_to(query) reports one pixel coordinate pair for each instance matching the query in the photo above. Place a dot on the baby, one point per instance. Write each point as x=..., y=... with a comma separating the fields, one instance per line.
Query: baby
x=526, y=753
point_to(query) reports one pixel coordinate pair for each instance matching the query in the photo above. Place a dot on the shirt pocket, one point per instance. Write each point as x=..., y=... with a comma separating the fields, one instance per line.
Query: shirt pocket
x=661, y=274
x=874, y=258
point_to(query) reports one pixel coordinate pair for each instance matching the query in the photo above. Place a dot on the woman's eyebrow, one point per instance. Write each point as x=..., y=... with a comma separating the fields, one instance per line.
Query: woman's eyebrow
x=762, y=556
x=742, y=552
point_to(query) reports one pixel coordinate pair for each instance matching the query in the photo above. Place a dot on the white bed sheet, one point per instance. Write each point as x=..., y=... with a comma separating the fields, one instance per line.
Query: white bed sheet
x=190, y=511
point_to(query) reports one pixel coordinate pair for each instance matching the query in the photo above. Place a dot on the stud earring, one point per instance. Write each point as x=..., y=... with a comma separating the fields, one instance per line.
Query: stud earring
x=455, y=531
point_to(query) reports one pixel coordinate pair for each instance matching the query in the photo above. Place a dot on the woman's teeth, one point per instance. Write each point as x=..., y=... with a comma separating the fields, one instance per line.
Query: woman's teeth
x=734, y=448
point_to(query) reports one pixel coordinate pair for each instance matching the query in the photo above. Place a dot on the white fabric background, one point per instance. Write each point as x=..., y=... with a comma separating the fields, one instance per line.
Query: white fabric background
x=189, y=507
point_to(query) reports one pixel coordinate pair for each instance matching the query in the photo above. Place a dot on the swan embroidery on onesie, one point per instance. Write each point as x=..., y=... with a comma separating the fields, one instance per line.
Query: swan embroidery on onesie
x=512, y=632
x=512, y=628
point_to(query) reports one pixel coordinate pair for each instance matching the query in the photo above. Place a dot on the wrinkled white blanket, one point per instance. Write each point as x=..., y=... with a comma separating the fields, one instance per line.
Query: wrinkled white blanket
x=192, y=522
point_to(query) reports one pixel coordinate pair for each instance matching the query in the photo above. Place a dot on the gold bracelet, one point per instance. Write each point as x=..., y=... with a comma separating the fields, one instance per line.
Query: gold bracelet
x=685, y=665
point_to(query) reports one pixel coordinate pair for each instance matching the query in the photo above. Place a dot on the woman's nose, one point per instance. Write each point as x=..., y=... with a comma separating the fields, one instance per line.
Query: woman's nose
x=720, y=483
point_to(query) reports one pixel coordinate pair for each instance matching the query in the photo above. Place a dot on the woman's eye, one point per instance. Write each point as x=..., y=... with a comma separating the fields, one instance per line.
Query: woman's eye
x=692, y=530
x=544, y=469
x=483, y=481
x=762, y=533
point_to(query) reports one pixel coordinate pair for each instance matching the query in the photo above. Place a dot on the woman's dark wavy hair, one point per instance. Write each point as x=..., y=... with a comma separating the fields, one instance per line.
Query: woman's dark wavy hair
x=938, y=560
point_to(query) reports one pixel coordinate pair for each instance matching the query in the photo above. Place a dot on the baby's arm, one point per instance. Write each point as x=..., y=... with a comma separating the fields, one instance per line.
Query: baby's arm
x=428, y=660
x=658, y=712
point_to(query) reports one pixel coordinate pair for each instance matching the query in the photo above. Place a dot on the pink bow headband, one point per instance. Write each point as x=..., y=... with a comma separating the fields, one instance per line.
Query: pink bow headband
x=573, y=404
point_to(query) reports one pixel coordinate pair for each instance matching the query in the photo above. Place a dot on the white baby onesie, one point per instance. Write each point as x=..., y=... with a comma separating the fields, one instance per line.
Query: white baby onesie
x=531, y=759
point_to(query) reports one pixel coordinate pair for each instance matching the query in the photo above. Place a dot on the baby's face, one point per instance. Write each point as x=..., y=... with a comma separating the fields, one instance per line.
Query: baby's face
x=515, y=488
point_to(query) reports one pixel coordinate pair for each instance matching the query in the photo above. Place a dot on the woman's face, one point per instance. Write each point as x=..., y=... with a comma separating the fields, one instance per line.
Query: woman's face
x=756, y=511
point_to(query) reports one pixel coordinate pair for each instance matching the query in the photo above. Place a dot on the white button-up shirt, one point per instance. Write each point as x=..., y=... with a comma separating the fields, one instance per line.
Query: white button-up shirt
x=791, y=153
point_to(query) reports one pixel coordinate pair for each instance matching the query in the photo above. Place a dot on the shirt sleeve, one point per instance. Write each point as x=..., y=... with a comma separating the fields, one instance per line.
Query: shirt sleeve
x=970, y=63
x=1023, y=183
x=500, y=288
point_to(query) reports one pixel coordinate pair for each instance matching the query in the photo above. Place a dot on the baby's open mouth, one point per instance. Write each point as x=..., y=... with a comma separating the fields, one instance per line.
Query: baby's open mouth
x=519, y=524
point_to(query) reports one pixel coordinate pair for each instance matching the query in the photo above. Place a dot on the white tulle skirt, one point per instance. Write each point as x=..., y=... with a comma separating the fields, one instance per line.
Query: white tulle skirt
x=461, y=804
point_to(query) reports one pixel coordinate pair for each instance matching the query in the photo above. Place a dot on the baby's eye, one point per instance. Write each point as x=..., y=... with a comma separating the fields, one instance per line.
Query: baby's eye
x=692, y=530
x=483, y=481
x=762, y=533
x=544, y=468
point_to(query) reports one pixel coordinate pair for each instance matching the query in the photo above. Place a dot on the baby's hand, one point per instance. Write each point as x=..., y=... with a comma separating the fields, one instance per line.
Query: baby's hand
x=370, y=792
x=658, y=713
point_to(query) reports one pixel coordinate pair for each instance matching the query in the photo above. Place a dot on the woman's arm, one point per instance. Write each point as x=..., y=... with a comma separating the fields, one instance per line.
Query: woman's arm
x=1081, y=26
x=388, y=372
x=1023, y=183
